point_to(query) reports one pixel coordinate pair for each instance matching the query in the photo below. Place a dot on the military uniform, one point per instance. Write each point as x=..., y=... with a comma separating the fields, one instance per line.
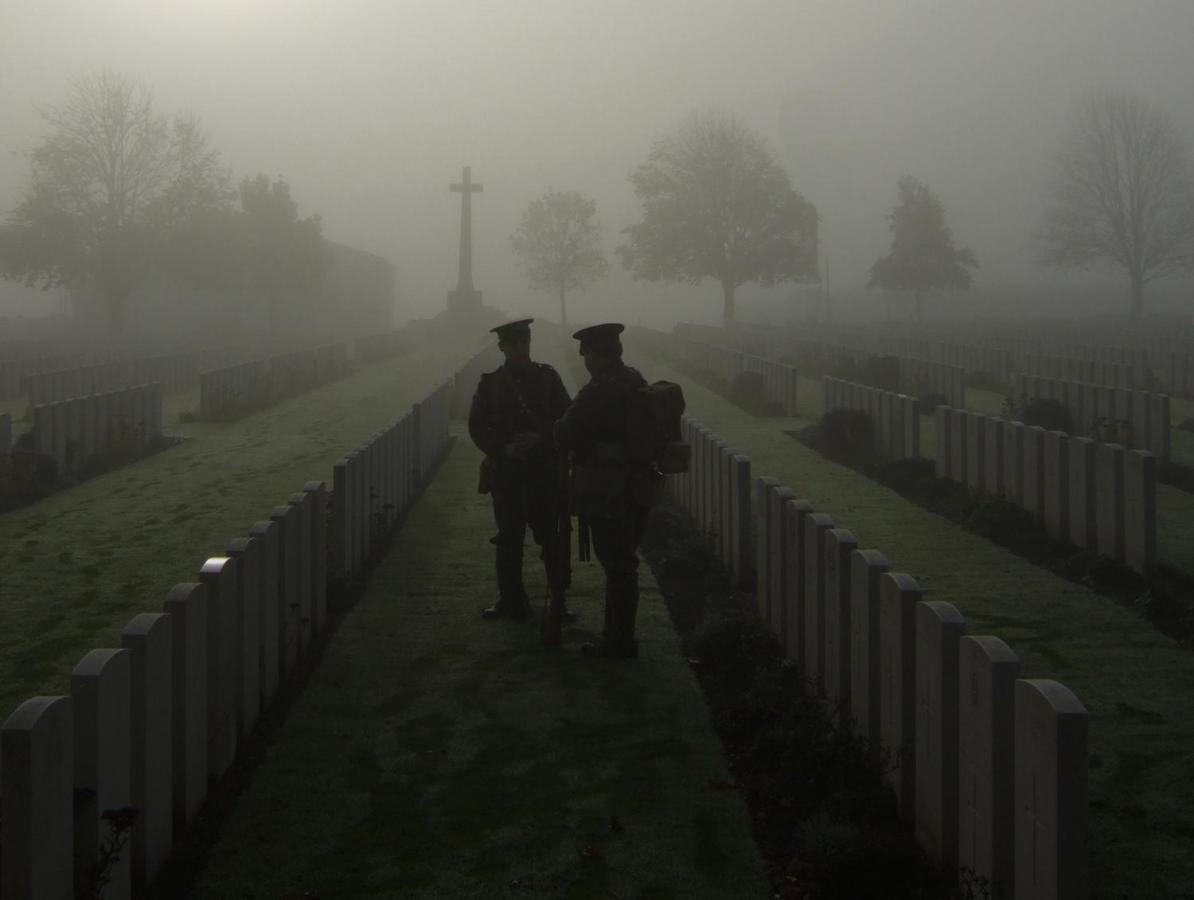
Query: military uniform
x=515, y=401
x=594, y=430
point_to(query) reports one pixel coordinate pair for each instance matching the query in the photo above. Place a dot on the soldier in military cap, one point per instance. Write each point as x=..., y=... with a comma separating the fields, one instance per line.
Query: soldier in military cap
x=511, y=420
x=594, y=430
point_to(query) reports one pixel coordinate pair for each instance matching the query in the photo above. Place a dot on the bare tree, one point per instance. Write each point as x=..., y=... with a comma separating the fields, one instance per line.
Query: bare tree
x=109, y=184
x=717, y=204
x=1121, y=193
x=558, y=243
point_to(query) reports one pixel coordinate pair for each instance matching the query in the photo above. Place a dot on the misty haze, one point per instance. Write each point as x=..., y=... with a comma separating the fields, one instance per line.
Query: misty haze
x=661, y=449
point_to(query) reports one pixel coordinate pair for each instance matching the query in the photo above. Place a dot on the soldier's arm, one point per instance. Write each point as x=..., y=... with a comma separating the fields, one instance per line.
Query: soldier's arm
x=574, y=429
x=559, y=395
x=480, y=421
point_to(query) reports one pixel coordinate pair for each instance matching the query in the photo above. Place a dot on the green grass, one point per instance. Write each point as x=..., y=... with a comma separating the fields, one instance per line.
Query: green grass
x=1137, y=684
x=75, y=567
x=434, y=754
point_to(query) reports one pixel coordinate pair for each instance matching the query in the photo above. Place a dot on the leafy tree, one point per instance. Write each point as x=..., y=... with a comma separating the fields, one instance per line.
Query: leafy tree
x=717, y=205
x=1121, y=193
x=558, y=243
x=111, y=187
x=284, y=257
x=923, y=256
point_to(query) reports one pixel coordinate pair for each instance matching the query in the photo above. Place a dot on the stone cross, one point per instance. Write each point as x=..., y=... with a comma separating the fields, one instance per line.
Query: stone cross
x=465, y=297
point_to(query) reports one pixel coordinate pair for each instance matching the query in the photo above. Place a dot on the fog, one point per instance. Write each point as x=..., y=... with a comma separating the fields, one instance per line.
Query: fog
x=369, y=110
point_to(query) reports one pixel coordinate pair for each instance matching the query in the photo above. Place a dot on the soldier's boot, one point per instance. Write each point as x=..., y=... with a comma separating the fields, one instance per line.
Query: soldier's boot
x=621, y=607
x=513, y=602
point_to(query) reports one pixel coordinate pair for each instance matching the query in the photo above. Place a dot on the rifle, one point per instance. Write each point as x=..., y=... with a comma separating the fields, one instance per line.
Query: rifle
x=559, y=553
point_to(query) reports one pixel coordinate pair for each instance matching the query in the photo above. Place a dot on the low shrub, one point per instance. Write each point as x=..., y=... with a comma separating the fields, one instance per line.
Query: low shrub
x=846, y=434
x=882, y=372
x=1051, y=415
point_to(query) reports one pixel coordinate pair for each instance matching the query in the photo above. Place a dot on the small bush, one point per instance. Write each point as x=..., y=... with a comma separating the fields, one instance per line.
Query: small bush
x=882, y=372
x=846, y=434
x=1051, y=415
x=930, y=401
x=1186, y=425
x=749, y=390
x=984, y=381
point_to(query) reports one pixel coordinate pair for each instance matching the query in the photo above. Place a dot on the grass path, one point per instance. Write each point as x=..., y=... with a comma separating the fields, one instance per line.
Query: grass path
x=434, y=754
x=75, y=567
x=1137, y=684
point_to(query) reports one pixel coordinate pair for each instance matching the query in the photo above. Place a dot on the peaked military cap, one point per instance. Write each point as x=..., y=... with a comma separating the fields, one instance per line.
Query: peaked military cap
x=513, y=331
x=599, y=337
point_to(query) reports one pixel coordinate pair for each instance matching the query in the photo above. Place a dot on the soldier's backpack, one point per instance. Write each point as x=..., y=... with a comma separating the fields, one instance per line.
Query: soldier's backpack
x=653, y=436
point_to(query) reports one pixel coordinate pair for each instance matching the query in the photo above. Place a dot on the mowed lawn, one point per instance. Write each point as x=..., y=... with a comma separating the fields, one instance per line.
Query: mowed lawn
x=75, y=567
x=1137, y=684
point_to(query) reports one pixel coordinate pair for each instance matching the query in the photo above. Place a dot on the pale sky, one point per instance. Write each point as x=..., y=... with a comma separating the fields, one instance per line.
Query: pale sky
x=369, y=109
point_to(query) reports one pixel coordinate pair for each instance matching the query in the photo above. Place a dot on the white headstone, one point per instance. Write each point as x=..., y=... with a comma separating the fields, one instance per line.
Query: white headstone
x=939, y=627
x=1140, y=510
x=219, y=576
x=101, y=688
x=147, y=636
x=1050, y=854
x=898, y=595
x=187, y=606
x=865, y=568
x=796, y=515
x=247, y=553
x=36, y=794
x=815, y=527
x=839, y=545
x=267, y=593
x=1109, y=499
x=987, y=671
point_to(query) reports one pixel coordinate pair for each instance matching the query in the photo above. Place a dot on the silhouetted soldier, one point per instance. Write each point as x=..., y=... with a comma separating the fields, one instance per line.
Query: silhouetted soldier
x=511, y=420
x=594, y=430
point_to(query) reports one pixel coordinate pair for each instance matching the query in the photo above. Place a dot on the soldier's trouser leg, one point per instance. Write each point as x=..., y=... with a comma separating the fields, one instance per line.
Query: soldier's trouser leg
x=509, y=512
x=615, y=542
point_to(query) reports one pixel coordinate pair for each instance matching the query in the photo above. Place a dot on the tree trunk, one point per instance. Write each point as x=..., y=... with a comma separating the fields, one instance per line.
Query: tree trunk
x=563, y=311
x=727, y=309
x=920, y=307
x=1137, y=296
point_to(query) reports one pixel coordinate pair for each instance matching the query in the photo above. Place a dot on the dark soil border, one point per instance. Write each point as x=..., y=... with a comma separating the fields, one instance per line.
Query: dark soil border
x=824, y=823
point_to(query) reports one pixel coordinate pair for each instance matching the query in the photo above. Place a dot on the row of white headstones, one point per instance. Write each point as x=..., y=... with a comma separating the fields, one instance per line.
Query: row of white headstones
x=155, y=723
x=989, y=768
